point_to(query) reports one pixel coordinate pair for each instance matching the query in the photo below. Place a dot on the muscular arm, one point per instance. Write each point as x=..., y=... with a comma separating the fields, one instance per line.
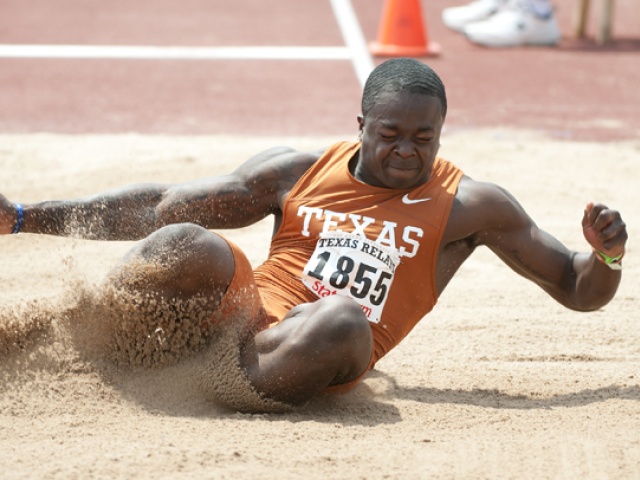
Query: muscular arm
x=577, y=280
x=247, y=195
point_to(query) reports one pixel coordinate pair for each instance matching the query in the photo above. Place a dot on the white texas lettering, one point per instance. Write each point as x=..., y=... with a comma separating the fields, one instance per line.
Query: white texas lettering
x=307, y=212
x=407, y=238
x=331, y=222
x=359, y=227
x=387, y=235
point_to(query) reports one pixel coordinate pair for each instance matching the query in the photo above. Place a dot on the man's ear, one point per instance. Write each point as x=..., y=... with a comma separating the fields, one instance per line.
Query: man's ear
x=360, y=124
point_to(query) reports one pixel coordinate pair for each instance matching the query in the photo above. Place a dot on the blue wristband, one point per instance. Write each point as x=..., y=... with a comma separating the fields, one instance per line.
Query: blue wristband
x=19, y=220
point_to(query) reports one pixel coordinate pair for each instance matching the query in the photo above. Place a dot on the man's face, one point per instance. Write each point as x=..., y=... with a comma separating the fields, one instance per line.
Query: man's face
x=400, y=140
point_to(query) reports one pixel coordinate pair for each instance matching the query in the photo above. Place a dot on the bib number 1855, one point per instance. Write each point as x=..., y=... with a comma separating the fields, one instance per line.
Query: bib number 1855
x=352, y=266
x=360, y=284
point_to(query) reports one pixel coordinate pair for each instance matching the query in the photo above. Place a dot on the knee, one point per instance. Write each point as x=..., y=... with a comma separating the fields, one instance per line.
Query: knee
x=182, y=242
x=344, y=314
x=345, y=325
x=191, y=259
x=173, y=236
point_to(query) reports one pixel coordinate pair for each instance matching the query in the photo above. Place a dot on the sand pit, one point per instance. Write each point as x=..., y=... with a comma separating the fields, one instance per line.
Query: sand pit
x=498, y=382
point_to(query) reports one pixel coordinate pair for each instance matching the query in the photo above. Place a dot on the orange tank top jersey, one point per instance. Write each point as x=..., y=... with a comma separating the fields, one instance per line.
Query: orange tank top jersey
x=376, y=245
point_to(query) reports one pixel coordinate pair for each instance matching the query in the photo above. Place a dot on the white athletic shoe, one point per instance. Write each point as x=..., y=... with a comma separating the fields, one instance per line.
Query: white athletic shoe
x=457, y=18
x=514, y=25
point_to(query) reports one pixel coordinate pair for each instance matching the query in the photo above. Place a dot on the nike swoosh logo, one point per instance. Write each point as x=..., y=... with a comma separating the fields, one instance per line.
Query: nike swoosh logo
x=408, y=201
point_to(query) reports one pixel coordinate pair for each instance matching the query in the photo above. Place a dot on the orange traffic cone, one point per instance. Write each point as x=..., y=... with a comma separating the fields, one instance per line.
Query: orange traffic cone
x=402, y=32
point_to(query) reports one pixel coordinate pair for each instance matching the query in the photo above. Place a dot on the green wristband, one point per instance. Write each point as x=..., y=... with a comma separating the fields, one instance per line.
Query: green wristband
x=614, y=263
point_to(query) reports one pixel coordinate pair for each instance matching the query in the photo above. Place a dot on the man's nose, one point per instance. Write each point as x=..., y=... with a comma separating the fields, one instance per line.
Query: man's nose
x=405, y=148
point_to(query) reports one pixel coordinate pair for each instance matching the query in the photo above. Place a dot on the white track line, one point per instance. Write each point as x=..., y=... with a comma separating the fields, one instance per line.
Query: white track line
x=354, y=38
x=356, y=49
x=175, y=53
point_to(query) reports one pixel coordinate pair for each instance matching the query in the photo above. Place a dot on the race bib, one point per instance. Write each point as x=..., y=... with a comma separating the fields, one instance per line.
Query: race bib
x=352, y=266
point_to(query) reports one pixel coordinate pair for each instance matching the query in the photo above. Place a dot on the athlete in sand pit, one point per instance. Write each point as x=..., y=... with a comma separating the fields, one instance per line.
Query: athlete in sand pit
x=367, y=236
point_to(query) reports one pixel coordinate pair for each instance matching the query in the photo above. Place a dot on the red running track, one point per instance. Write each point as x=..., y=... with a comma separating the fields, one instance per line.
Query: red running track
x=575, y=91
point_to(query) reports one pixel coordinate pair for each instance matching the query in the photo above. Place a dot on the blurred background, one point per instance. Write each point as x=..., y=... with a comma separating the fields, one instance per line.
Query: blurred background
x=308, y=84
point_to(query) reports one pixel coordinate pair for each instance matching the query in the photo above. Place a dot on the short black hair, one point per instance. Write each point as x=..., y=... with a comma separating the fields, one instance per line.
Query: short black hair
x=400, y=75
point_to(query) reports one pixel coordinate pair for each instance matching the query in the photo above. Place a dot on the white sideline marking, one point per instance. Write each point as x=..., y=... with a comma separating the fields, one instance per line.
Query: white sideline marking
x=175, y=53
x=354, y=38
x=355, y=50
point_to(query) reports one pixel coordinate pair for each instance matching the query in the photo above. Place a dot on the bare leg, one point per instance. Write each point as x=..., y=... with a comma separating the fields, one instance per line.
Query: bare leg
x=324, y=343
x=159, y=304
x=193, y=260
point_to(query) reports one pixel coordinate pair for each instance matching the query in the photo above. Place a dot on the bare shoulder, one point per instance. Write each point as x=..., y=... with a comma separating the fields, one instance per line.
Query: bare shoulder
x=482, y=207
